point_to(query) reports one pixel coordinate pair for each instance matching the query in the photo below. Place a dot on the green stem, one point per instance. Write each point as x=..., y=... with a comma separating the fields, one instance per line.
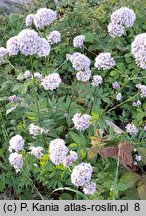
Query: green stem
x=129, y=99
x=90, y=51
x=93, y=101
x=116, y=178
x=35, y=92
x=60, y=66
x=124, y=84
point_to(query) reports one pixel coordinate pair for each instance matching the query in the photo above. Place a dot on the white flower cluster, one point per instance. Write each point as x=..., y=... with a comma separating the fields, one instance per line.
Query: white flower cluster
x=29, y=20
x=68, y=160
x=131, y=129
x=78, y=41
x=81, y=122
x=104, y=61
x=13, y=99
x=27, y=74
x=16, y=143
x=28, y=42
x=38, y=76
x=35, y=130
x=144, y=128
x=89, y=188
x=97, y=80
x=58, y=151
x=12, y=46
x=136, y=103
x=51, y=81
x=123, y=17
x=142, y=89
x=138, y=49
x=81, y=64
x=54, y=37
x=16, y=161
x=118, y=96
x=3, y=52
x=81, y=174
x=83, y=75
x=37, y=151
x=79, y=61
x=116, y=85
x=43, y=17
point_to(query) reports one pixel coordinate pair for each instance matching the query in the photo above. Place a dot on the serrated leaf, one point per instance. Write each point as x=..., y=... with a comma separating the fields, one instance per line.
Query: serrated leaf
x=125, y=155
x=108, y=152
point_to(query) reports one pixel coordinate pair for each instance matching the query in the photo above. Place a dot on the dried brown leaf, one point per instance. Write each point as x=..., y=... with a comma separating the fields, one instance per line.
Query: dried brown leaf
x=125, y=150
x=108, y=152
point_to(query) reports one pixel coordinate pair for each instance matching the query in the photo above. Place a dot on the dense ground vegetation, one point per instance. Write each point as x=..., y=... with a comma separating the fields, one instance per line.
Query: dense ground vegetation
x=109, y=141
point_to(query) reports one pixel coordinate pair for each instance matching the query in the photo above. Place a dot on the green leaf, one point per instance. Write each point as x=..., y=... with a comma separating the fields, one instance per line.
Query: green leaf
x=65, y=196
x=142, y=152
x=81, y=140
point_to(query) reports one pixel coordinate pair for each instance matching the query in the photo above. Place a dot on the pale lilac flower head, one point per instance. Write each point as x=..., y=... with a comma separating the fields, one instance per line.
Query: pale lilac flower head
x=116, y=85
x=78, y=41
x=123, y=16
x=131, y=129
x=16, y=161
x=16, y=142
x=35, y=130
x=136, y=103
x=37, y=151
x=81, y=174
x=29, y=20
x=144, y=128
x=58, y=151
x=12, y=46
x=79, y=61
x=44, y=48
x=68, y=161
x=97, y=80
x=81, y=122
x=118, y=96
x=13, y=99
x=29, y=42
x=3, y=52
x=51, y=81
x=83, y=75
x=104, y=61
x=44, y=17
x=54, y=37
x=27, y=74
x=115, y=30
x=138, y=50
x=38, y=76
x=89, y=188
x=142, y=89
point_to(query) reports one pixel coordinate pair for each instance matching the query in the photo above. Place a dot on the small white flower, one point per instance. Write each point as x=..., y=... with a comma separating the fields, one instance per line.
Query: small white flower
x=104, y=61
x=118, y=96
x=37, y=151
x=83, y=75
x=78, y=41
x=131, y=129
x=81, y=122
x=17, y=142
x=16, y=161
x=29, y=20
x=54, y=37
x=97, y=80
x=51, y=82
x=89, y=188
x=27, y=74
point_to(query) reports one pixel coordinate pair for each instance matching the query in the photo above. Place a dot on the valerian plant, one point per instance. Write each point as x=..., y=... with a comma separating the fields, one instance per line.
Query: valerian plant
x=72, y=105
